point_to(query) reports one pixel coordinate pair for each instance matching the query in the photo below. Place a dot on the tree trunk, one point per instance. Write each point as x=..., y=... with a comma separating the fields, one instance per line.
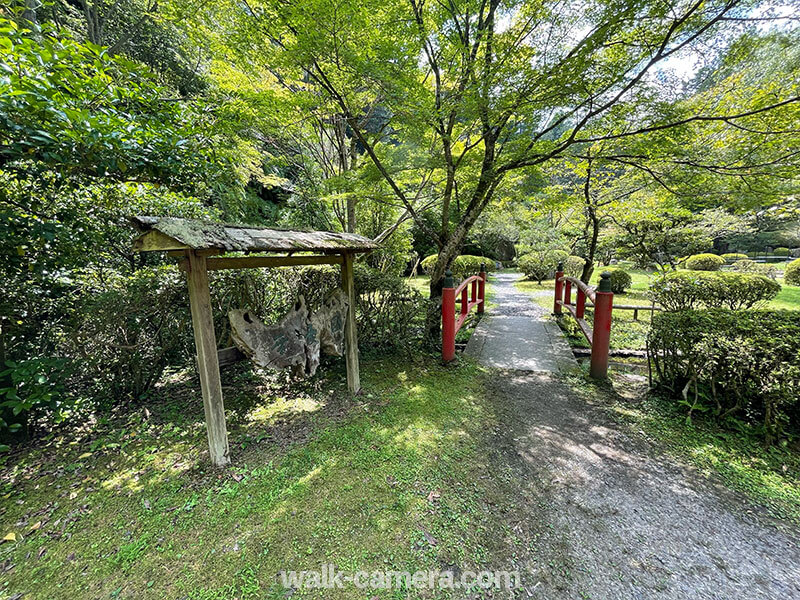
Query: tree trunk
x=588, y=265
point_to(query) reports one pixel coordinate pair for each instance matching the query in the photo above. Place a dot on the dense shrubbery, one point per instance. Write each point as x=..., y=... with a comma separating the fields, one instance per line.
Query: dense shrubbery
x=620, y=280
x=780, y=251
x=704, y=262
x=743, y=364
x=124, y=331
x=681, y=290
x=463, y=266
x=539, y=265
x=732, y=257
x=750, y=266
x=792, y=273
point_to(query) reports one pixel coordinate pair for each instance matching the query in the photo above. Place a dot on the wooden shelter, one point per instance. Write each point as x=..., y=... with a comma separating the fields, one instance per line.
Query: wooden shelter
x=202, y=246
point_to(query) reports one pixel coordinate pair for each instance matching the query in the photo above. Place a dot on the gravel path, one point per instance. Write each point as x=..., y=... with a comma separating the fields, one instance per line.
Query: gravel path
x=624, y=521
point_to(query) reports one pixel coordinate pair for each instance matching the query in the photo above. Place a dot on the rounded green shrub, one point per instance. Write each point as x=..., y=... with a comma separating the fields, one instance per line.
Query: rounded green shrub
x=683, y=290
x=462, y=266
x=748, y=361
x=620, y=280
x=792, y=273
x=573, y=266
x=781, y=251
x=704, y=262
x=732, y=257
x=750, y=266
x=539, y=265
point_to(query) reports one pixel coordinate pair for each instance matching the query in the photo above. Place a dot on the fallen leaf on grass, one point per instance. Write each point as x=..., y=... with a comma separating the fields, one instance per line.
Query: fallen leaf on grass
x=428, y=537
x=11, y=537
x=433, y=496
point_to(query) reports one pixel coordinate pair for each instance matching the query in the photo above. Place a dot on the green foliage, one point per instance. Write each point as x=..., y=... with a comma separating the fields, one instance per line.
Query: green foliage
x=743, y=364
x=732, y=257
x=128, y=330
x=792, y=273
x=34, y=387
x=79, y=110
x=746, y=265
x=682, y=290
x=573, y=266
x=539, y=265
x=780, y=251
x=463, y=266
x=620, y=280
x=704, y=262
x=389, y=312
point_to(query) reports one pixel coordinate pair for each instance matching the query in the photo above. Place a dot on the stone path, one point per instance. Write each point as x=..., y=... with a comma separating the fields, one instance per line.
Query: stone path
x=515, y=334
x=620, y=519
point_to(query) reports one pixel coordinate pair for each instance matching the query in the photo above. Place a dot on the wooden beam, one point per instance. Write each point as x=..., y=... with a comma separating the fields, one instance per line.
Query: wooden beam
x=350, y=330
x=252, y=262
x=154, y=241
x=207, y=361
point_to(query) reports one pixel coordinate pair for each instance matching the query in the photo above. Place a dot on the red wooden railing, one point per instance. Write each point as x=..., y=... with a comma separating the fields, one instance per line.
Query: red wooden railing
x=599, y=336
x=450, y=323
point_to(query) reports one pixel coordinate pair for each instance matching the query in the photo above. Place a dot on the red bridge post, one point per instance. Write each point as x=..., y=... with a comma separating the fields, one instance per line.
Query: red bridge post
x=482, y=289
x=603, y=302
x=559, y=289
x=580, y=304
x=448, y=318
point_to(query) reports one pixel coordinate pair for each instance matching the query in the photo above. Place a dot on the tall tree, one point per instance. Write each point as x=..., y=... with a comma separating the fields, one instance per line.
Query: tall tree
x=484, y=88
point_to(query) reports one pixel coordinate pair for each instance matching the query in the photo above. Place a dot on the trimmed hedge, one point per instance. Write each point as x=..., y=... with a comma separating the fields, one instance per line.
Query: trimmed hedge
x=620, y=280
x=704, y=262
x=684, y=290
x=463, y=266
x=732, y=257
x=792, y=273
x=780, y=251
x=750, y=266
x=731, y=363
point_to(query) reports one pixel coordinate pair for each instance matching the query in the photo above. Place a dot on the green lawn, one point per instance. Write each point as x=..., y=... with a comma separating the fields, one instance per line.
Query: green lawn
x=396, y=479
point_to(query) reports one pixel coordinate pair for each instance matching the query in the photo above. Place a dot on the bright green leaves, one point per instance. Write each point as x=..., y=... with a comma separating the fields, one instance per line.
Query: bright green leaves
x=73, y=109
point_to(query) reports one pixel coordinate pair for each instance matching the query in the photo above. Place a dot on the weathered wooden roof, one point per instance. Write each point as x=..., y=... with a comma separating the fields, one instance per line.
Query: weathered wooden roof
x=171, y=233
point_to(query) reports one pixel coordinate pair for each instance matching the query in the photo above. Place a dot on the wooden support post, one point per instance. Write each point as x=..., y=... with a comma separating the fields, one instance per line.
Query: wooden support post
x=207, y=361
x=580, y=304
x=350, y=329
x=559, y=290
x=601, y=332
x=567, y=292
x=448, y=318
x=482, y=289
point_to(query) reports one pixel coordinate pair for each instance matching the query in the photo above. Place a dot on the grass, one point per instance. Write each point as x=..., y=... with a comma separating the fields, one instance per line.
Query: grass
x=395, y=479
x=768, y=476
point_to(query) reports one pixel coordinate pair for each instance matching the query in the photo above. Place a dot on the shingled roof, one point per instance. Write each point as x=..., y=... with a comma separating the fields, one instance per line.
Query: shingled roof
x=171, y=233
